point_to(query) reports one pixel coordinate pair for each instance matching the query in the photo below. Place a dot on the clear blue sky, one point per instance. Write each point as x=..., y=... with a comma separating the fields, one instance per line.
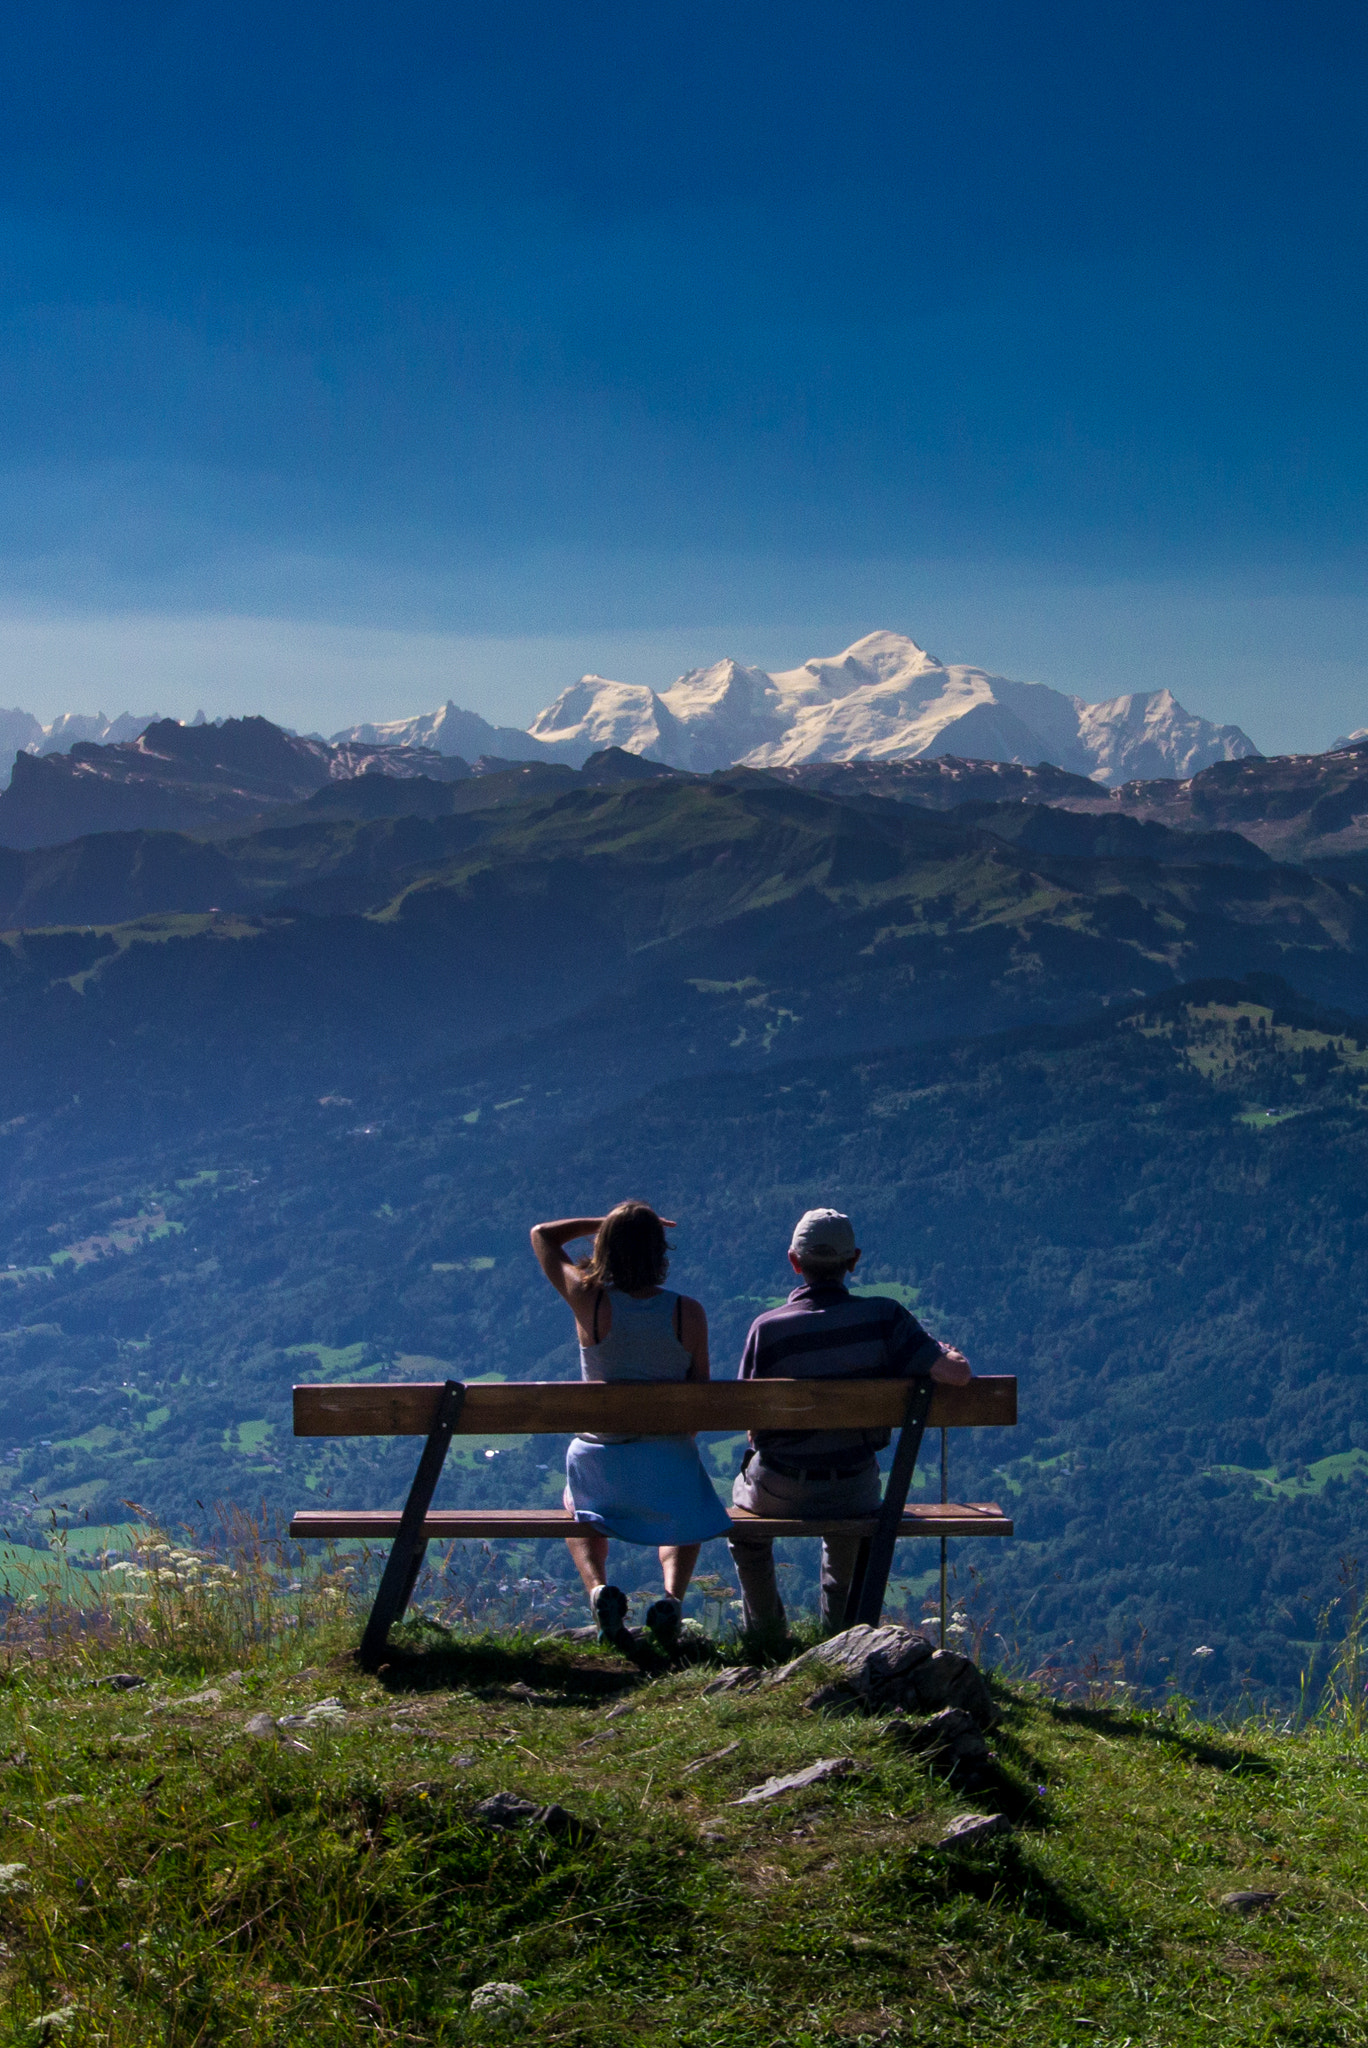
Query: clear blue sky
x=354, y=356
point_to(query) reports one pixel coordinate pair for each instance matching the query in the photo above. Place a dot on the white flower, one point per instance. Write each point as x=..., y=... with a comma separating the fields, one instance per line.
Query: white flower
x=1204, y=1650
x=498, y=1998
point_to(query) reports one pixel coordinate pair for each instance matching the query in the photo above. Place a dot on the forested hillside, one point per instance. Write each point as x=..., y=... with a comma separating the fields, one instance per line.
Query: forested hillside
x=1156, y=1220
x=246, y=1146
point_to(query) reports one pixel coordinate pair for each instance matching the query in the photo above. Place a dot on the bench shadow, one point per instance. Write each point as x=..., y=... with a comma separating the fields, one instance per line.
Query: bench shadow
x=1118, y=1724
x=558, y=1678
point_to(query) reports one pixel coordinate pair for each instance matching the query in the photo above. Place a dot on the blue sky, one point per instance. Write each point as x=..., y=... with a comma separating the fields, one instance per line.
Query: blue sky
x=354, y=357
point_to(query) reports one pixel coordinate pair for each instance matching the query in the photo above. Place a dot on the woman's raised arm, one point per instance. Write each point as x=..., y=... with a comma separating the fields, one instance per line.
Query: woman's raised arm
x=548, y=1245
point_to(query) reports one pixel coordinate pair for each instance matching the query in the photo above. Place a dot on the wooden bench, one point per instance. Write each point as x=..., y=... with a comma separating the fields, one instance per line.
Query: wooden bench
x=440, y=1411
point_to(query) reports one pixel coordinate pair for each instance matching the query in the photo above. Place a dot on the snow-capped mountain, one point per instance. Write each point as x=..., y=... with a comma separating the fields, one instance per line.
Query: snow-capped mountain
x=452, y=731
x=884, y=697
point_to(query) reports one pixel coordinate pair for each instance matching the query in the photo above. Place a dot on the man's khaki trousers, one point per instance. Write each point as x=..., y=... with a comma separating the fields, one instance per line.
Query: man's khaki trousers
x=763, y=1491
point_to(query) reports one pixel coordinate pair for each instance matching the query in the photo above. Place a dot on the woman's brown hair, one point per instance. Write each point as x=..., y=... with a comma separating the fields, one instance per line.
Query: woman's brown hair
x=630, y=1252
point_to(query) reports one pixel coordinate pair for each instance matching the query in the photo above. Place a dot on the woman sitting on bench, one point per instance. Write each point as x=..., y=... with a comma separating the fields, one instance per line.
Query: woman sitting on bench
x=644, y=1489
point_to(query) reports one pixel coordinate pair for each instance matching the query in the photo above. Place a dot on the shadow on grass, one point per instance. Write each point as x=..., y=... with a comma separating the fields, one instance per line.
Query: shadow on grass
x=560, y=1675
x=1199, y=1749
x=1000, y=1873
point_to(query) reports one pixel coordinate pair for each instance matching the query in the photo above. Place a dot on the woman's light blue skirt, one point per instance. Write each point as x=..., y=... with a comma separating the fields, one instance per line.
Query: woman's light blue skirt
x=653, y=1490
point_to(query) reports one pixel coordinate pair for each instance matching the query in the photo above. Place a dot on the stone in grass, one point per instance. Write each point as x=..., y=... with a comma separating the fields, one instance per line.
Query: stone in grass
x=870, y=1669
x=967, y=1830
x=736, y=1678
x=867, y=1659
x=820, y=1773
x=949, y=1740
x=211, y=1696
x=14, y=1882
x=1248, y=1903
x=330, y=1709
x=264, y=1728
x=703, y=1763
x=510, y=1810
x=504, y=2003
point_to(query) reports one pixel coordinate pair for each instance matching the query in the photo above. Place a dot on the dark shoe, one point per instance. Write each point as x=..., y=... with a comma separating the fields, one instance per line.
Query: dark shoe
x=609, y=1604
x=768, y=1642
x=665, y=1619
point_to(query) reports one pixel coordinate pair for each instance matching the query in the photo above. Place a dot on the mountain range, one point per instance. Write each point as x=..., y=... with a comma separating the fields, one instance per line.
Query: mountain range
x=176, y=777
x=212, y=779
x=884, y=697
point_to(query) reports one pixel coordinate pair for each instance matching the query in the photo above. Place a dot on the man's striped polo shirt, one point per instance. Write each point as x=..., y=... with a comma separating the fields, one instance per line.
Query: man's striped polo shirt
x=827, y=1333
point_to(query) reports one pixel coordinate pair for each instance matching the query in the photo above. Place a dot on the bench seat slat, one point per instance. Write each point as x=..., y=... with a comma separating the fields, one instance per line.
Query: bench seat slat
x=931, y=1518
x=559, y=1407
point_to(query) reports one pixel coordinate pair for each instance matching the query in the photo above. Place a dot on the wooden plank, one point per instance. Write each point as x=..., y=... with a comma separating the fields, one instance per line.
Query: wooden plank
x=935, y=1518
x=560, y=1407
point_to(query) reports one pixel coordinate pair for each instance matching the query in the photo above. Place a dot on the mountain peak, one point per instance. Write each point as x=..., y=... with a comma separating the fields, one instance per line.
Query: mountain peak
x=885, y=651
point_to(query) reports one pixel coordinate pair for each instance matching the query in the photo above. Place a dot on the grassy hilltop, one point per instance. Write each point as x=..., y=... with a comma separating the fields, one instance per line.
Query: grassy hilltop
x=177, y=1866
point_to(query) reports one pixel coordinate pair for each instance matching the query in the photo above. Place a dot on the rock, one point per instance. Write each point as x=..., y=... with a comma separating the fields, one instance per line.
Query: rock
x=1248, y=1903
x=797, y=1781
x=326, y=1710
x=969, y=1829
x=736, y=1678
x=947, y=1739
x=510, y=1810
x=14, y=1882
x=871, y=1668
x=836, y=1698
x=873, y=1662
x=567, y=1827
x=211, y=1696
x=946, y=1679
x=506, y=1810
x=265, y=1729
x=701, y=1763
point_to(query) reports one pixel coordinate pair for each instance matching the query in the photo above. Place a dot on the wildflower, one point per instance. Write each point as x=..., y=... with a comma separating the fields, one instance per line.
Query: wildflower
x=1204, y=1650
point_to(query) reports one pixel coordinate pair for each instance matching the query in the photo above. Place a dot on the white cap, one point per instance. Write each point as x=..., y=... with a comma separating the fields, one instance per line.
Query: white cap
x=825, y=1235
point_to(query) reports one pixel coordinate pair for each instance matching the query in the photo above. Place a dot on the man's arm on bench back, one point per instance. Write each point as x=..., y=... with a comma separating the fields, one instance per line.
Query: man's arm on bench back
x=952, y=1368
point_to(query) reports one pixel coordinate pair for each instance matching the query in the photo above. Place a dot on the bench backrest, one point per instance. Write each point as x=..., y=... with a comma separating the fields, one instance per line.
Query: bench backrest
x=561, y=1407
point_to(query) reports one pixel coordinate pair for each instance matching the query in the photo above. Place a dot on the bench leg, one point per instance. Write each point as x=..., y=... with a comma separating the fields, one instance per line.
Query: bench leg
x=405, y=1560
x=870, y=1582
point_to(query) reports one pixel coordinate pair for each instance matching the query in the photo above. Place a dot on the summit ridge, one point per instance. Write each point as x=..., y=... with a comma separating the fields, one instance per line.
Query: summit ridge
x=882, y=697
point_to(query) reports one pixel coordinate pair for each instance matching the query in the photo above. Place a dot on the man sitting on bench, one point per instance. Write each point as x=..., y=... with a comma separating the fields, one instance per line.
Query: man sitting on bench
x=823, y=1332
